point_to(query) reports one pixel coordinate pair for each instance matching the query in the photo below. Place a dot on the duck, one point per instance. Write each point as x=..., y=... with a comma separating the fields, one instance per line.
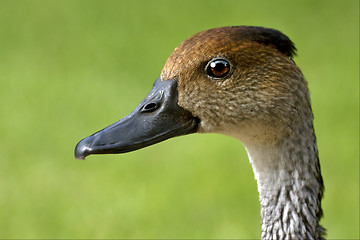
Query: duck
x=241, y=81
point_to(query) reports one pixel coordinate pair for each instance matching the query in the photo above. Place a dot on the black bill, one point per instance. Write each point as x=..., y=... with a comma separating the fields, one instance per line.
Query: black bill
x=157, y=118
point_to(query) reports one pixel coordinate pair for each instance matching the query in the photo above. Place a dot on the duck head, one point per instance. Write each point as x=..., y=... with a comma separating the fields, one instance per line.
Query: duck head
x=239, y=81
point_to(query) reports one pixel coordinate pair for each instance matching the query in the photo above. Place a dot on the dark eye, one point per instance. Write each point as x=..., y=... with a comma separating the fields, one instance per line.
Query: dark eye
x=218, y=68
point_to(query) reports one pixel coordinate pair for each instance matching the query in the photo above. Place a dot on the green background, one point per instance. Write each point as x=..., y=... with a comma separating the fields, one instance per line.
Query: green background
x=70, y=68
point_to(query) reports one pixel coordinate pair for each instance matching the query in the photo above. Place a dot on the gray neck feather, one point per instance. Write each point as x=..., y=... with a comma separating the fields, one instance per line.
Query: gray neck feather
x=290, y=186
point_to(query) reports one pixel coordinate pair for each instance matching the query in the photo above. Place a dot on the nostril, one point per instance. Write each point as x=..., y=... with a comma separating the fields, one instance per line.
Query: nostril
x=150, y=107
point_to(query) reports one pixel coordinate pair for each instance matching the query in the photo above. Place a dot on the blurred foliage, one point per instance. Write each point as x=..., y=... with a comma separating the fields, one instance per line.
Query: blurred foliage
x=69, y=68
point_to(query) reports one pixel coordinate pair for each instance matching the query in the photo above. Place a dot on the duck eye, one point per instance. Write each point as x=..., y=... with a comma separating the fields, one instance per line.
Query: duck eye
x=218, y=68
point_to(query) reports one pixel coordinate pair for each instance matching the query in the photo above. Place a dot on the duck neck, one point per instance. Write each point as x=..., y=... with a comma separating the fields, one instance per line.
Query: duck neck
x=290, y=186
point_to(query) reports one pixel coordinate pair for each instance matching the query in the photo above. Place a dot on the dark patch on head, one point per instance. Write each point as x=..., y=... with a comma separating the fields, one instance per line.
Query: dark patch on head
x=223, y=41
x=272, y=37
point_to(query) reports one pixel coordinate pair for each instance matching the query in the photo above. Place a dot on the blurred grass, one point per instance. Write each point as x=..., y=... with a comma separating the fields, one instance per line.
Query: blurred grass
x=69, y=68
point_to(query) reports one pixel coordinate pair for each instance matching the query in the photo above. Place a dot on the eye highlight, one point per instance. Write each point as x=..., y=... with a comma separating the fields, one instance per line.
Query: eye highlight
x=218, y=68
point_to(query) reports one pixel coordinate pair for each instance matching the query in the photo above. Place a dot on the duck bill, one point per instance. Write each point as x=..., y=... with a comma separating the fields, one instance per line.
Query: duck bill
x=157, y=118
